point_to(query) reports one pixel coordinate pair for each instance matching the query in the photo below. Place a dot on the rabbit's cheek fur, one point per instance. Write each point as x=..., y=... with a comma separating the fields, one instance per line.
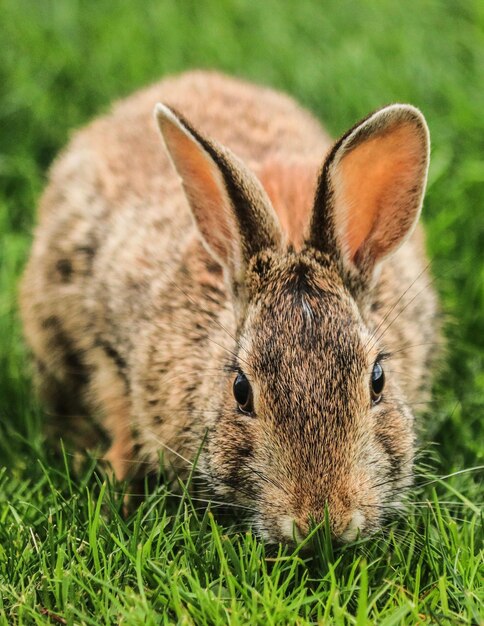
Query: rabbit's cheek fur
x=290, y=477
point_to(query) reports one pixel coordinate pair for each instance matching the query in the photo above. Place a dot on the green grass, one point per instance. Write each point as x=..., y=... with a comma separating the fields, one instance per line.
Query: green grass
x=66, y=551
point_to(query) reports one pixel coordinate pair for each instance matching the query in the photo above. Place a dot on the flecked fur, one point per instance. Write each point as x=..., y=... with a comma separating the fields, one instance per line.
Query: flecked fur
x=138, y=330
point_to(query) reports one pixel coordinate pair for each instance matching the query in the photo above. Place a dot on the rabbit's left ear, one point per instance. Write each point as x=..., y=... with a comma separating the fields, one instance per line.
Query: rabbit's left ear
x=371, y=188
x=230, y=207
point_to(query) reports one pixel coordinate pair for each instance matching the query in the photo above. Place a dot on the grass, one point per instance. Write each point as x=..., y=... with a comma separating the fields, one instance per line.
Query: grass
x=67, y=554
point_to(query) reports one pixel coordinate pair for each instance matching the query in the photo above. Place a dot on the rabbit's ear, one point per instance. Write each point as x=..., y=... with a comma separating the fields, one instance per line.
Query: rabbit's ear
x=371, y=188
x=230, y=207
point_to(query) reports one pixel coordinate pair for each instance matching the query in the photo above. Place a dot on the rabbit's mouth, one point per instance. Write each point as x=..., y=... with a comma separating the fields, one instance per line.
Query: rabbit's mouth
x=296, y=531
x=288, y=530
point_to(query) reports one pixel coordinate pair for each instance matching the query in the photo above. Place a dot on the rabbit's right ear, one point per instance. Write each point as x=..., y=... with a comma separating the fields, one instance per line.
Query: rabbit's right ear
x=230, y=207
x=371, y=188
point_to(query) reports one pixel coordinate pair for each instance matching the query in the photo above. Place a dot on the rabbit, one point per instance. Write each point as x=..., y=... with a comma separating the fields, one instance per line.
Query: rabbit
x=245, y=294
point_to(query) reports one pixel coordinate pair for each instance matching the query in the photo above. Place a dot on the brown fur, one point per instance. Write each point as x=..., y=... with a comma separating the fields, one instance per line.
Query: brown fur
x=291, y=186
x=141, y=303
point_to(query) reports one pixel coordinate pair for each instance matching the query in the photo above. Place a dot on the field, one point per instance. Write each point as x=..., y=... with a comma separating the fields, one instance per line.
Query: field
x=67, y=553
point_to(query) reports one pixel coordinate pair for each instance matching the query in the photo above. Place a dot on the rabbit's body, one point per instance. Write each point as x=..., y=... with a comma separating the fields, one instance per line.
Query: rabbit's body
x=133, y=325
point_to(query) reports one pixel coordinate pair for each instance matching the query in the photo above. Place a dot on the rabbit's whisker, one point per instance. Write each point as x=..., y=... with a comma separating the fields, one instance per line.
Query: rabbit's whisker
x=402, y=310
x=403, y=294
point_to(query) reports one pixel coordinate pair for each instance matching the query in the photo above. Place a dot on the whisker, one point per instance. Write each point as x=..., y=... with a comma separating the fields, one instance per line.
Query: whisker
x=389, y=312
x=202, y=472
x=477, y=468
x=268, y=480
x=382, y=334
x=209, y=501
x=416, y=345
x=182, y=291
x=216, y=343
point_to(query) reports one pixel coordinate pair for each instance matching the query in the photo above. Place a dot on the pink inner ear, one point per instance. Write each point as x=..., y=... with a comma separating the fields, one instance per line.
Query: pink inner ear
x=205, y=191
x=290, y=186
x=375, y=185
x=193, y=164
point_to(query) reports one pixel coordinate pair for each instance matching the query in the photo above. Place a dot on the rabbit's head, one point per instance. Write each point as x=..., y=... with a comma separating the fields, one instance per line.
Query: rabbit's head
x=310, y=420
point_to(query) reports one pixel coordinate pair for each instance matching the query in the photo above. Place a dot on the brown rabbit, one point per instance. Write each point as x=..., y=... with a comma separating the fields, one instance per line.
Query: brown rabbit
x=278, y=318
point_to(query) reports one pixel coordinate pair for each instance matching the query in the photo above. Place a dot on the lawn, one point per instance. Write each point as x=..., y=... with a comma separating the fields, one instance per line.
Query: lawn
x=68, y=555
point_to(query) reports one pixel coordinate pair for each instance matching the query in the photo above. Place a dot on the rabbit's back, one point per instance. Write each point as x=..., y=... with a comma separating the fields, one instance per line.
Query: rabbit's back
x=120, y=152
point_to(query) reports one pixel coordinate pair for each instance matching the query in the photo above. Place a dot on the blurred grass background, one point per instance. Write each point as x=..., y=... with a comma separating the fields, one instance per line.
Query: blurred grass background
x=64, y=61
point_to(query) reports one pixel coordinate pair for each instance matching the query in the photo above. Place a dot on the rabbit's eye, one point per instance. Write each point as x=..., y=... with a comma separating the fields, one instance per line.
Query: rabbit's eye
x=377, y=382
x=243, y=394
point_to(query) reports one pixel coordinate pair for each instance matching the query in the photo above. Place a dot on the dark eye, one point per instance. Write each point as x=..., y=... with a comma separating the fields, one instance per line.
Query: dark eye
x=243, y=394
x=377, y=382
